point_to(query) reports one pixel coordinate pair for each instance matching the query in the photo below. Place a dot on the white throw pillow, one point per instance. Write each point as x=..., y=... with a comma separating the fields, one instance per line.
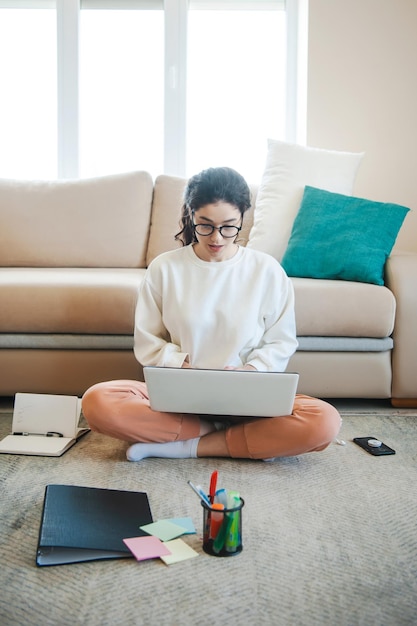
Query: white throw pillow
x=289, y=168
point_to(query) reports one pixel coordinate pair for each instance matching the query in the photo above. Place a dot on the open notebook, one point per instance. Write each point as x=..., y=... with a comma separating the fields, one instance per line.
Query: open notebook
x=43, y=425
x=221, y=392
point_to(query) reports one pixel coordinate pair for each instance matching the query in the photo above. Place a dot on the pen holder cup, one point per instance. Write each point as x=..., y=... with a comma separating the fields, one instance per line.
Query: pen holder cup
x=222, y=529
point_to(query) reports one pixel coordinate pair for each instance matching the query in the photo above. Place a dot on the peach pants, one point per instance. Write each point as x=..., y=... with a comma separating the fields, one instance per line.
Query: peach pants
x=121, y=409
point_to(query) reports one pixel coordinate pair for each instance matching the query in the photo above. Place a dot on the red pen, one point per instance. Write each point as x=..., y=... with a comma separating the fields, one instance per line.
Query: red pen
x=213, y=485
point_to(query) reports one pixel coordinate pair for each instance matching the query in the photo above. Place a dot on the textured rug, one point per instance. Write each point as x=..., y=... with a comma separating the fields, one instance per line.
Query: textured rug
x=329, y=538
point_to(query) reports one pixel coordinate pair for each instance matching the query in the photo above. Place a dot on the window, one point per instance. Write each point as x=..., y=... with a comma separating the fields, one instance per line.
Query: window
x=95, y=87
x=121, y=91
x=236, y=96
x=28, y=103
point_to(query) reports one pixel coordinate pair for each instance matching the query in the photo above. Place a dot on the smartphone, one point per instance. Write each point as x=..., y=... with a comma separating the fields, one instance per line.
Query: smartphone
x=376, y=450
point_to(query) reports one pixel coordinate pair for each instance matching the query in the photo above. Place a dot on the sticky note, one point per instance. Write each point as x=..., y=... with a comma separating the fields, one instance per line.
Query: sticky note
x=163, y=529
x=180, y=551
x=184, y=522
x=144, y=548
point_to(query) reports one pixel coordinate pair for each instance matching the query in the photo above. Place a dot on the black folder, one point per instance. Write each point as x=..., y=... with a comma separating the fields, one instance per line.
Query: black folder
x=86, y=523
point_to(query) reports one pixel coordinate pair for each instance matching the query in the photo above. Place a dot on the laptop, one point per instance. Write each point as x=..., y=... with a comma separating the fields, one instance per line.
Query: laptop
x=221, y=392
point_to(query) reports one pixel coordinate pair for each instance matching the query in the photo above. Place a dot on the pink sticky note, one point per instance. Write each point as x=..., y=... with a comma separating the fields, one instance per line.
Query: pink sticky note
x=144, y=548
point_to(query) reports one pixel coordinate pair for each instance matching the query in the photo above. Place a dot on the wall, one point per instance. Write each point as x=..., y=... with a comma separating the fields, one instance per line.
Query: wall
x=362, y=95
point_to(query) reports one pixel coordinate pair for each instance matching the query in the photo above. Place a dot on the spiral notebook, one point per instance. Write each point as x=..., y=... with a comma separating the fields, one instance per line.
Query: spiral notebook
x=43, y=425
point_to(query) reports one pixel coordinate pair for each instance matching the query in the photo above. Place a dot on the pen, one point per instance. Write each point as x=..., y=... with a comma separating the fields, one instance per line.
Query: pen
x=50, y=433
x=198, y=490
x=213, y=485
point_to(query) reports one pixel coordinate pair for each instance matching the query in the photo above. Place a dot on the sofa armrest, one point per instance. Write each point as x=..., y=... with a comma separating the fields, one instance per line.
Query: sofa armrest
x=401, y=279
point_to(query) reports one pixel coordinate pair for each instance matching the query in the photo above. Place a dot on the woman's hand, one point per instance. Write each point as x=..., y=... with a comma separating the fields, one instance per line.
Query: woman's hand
x=247, y=367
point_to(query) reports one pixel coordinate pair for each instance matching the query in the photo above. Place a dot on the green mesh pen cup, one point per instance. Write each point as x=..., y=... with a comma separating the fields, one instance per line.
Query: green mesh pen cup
x=222, y=529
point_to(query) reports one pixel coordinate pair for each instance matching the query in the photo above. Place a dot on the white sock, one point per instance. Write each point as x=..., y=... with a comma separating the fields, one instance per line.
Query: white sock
x=172, y=450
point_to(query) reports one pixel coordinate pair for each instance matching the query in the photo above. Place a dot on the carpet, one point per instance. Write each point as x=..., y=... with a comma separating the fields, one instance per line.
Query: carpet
x=329, y=538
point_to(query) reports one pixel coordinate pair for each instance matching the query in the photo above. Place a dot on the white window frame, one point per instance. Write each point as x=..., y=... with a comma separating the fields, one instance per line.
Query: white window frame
x=297, y=68
x=175, y=86
x=68, y=31
x=175, y=12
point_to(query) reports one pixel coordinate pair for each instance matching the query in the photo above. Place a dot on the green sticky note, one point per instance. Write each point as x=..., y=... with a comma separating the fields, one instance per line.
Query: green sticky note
x=163, y=529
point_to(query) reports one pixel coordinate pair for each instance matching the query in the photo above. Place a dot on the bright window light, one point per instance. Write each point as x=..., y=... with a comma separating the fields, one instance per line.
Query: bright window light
x=97, y=87
x=121, y=91
x=28, y=104
x=236, y=88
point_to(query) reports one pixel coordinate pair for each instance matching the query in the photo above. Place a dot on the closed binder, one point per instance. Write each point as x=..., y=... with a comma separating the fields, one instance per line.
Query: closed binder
x=86, y=523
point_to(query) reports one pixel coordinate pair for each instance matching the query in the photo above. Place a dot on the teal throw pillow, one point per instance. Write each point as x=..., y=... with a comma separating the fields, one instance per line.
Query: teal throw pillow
x=342, y=237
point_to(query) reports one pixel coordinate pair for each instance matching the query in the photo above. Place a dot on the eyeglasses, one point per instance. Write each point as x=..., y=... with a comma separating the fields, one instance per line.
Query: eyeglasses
x=204, y=230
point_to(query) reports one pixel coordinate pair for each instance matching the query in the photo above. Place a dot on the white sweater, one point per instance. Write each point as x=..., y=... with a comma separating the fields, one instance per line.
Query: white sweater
x=215, y=314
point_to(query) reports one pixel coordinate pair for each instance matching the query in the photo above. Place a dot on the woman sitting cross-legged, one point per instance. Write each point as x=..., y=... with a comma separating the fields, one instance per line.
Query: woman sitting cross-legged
x=212, y=304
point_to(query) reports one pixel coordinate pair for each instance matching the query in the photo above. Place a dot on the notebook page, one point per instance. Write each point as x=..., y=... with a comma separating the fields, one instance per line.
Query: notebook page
x=42, y=413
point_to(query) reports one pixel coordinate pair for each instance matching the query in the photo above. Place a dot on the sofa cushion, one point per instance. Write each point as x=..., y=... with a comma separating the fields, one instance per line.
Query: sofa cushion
x=166, y=215
x=341, y=237
x=338, y=308
x=97, y=222
x=289, y=168
x=80, y=300
x=343, y=374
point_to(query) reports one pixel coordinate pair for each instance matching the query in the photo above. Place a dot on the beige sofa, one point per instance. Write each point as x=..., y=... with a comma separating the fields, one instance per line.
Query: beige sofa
x=73, y=254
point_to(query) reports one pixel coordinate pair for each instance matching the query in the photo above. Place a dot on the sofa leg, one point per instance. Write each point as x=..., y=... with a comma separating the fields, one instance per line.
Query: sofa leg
x=404, y=403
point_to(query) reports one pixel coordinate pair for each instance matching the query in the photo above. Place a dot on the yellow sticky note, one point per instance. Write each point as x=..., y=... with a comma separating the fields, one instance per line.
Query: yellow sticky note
x=180, y=551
